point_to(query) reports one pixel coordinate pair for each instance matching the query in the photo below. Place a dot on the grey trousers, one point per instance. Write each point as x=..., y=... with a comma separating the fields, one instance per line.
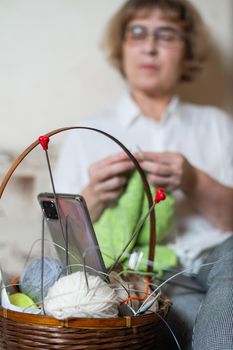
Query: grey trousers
x=202, y=313
x=213, y=329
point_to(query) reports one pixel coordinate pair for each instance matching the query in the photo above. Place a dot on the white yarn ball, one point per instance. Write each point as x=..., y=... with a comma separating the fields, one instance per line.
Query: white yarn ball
x=69, y=297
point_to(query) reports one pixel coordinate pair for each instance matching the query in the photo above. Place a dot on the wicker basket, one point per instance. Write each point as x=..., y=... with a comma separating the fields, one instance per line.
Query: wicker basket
x=27, y=331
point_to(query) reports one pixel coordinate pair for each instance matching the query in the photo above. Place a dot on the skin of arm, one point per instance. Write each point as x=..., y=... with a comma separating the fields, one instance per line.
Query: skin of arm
x=108, y=178
x=173, y=171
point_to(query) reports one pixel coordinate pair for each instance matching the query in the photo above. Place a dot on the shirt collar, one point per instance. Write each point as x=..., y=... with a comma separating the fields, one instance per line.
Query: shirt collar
x=128, y=111
x=171, y=110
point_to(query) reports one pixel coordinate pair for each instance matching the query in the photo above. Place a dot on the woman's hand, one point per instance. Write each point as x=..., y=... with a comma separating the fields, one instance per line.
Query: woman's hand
x=108, y=178
x=168, y=169
x=173, y=171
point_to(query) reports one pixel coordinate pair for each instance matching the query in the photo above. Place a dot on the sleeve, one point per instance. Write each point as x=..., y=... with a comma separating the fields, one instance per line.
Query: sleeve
x=225, y=131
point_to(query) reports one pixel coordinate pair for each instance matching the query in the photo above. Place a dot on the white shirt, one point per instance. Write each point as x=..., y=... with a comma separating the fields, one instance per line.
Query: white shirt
x=203, y=134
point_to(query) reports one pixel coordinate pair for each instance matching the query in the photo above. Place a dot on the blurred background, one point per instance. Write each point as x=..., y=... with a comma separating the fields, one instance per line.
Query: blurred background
x=53, y=72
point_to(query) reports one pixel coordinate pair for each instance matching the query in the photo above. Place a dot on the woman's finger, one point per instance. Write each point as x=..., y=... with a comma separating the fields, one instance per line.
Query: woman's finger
x=113, y=183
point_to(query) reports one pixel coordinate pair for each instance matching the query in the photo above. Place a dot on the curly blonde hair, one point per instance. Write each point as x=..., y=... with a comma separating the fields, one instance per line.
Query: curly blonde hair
x=179, y=11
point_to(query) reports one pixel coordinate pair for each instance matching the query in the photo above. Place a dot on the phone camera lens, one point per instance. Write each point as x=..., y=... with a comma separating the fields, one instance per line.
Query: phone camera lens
x=50, y=210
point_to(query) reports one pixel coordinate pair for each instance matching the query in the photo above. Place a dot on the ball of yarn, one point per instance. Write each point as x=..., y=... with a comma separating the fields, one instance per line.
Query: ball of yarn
x=30, y=280
x=70, y=297
x=22, y=300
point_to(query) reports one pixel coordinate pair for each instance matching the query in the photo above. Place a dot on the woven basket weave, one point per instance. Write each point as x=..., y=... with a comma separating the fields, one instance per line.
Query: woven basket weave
x=24, y=331
x=27, y=331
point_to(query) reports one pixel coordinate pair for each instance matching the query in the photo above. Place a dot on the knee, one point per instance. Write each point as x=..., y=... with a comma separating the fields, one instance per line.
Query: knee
x=222, y=257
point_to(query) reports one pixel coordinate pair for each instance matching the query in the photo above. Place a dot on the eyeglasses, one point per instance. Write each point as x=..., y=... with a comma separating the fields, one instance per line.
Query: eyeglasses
x=165, y=36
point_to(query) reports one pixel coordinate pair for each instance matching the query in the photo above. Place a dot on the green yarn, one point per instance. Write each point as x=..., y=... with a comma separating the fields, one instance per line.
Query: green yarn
x=117, y=224
x=22, y=300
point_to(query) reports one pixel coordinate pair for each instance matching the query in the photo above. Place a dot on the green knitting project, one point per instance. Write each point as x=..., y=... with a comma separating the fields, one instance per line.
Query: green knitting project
x=117, y=224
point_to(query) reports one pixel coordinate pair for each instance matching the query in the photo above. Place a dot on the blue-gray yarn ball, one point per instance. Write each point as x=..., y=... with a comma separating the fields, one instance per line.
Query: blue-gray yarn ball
x=30, y=280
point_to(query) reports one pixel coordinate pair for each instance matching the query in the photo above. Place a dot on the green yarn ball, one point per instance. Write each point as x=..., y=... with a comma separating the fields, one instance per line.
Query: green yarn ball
x=22, y=300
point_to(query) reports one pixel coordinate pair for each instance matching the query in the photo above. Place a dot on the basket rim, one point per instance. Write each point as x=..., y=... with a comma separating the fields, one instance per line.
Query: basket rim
x=88, y=323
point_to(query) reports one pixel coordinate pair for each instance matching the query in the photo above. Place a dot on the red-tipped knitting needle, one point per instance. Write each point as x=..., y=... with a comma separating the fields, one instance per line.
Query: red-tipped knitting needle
x=44, y=141
x=160, y=195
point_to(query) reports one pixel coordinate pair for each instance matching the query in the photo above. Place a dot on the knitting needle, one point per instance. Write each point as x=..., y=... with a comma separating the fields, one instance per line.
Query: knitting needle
x=42, y=266
x=184, y=285
x=141, y=154
x=44, y=141
x=160, y=195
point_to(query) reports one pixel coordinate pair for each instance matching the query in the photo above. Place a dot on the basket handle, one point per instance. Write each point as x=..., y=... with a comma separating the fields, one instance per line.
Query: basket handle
x=18, y=160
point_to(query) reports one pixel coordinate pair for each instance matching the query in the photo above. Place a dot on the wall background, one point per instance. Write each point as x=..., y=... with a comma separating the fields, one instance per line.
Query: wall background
x=52, y=70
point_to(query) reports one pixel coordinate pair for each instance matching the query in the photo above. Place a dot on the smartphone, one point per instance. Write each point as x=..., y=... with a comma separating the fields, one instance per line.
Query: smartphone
x=70, y=227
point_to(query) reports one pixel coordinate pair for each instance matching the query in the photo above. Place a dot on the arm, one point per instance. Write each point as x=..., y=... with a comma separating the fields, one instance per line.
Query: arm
x=107, y=181
x=212, y=199
x=173, y=171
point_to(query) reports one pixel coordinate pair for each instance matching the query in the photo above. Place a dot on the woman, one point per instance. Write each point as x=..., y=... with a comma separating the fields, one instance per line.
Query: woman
x=188, y=149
